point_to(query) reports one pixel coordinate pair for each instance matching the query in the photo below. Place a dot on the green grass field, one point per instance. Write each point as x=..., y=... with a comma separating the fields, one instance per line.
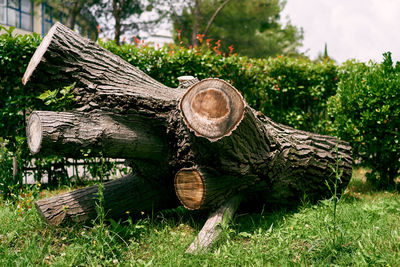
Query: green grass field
x=366, y=232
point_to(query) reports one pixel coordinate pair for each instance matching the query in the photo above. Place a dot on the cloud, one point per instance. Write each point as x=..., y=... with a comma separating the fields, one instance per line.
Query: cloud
x=361, y=29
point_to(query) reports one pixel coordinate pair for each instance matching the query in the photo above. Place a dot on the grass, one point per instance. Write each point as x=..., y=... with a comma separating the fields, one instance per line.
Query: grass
x=366, y=232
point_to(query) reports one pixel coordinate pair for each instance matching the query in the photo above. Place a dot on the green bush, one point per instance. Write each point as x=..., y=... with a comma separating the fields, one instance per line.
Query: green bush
x=366, y=112
x=293, y=91
x=16, y=99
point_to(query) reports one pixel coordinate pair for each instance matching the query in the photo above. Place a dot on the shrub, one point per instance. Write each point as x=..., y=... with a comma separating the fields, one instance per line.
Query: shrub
x=366, y=112
x=16, y=99
x=293, y=91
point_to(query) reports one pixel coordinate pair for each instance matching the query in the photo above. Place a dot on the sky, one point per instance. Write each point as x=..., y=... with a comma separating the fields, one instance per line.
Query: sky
x=359, y=29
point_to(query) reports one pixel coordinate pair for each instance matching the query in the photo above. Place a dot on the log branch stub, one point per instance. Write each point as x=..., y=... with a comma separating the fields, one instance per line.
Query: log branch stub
x=131, y=193
x=212, y=108
x=38, y=55
x=186, y=81
x=203, y=188
x=215, y=224
x=68, y=133
x=190, y=188
x=34, y=133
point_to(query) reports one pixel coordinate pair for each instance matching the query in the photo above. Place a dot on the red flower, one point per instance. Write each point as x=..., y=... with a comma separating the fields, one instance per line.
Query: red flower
x=179, y=35
x=200, y=37
x=230, y=50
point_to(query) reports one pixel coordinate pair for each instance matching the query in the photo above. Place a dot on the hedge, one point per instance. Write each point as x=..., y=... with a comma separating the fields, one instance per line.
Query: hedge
x=366, y=112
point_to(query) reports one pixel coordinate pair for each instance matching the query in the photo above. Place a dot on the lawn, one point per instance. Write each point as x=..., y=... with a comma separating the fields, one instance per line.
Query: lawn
x=366, y=231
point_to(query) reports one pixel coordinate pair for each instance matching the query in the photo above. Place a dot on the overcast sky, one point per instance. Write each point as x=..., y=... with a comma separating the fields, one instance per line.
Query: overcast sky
x=360, y=29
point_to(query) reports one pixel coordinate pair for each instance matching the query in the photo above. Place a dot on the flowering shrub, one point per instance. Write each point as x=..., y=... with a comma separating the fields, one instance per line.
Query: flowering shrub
x=292, y=91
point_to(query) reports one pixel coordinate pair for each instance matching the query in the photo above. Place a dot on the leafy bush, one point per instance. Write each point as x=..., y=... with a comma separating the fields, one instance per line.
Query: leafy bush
x=16, y=100
x=366, y=112
x=292, y=91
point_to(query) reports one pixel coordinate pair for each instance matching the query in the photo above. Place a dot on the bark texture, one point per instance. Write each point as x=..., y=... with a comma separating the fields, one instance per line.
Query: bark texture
x=103, y=80
x=131, y=193
x=283, y=164
x=71, y=133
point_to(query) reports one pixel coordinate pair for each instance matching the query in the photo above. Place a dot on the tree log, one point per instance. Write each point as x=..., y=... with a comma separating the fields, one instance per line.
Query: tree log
x=219, y=130
x=200, y=188
x=213, y=127
x=131, y=193
x=103, y=80
x=68, y=133
x=215, y=224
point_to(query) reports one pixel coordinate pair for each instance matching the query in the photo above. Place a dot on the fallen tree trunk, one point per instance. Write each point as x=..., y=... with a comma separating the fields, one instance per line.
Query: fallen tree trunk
x=71, y=134
x=218, y=147
x=130, y=194
x=219, y=130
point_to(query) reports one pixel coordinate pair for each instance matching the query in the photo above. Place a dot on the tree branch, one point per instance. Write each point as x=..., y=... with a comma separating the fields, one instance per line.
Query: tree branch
x=214, y=15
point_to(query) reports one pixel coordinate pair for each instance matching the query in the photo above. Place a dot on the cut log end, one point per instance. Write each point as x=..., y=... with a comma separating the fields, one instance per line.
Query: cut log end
x=38, y=55
x=190, y=188
x=212, y=108
x=34, y=133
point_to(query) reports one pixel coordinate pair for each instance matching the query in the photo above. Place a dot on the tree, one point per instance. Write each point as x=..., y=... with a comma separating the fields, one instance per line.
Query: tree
x=75, y=9
x=126, y=15
x=251, y=26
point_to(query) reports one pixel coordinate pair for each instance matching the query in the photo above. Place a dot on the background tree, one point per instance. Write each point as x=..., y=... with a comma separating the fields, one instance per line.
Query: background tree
x=251, y=26
x=75, y=9
x=127, y=16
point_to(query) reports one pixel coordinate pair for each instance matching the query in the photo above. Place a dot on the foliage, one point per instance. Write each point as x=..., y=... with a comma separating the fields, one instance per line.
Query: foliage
x=60, y=99
x=251, y=26
x=290, y=90
x=78, y=13
x=15, y=53
x=366, y=111
x=126, y=18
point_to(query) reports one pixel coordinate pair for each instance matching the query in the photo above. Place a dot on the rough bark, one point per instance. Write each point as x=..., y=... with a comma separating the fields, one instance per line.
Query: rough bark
x=215, y=224
x=130, y=194
x=116, y=10
x=15, y=171
x=103, y=80
x=196, y=22
x=219, y=130
x=71, y=134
